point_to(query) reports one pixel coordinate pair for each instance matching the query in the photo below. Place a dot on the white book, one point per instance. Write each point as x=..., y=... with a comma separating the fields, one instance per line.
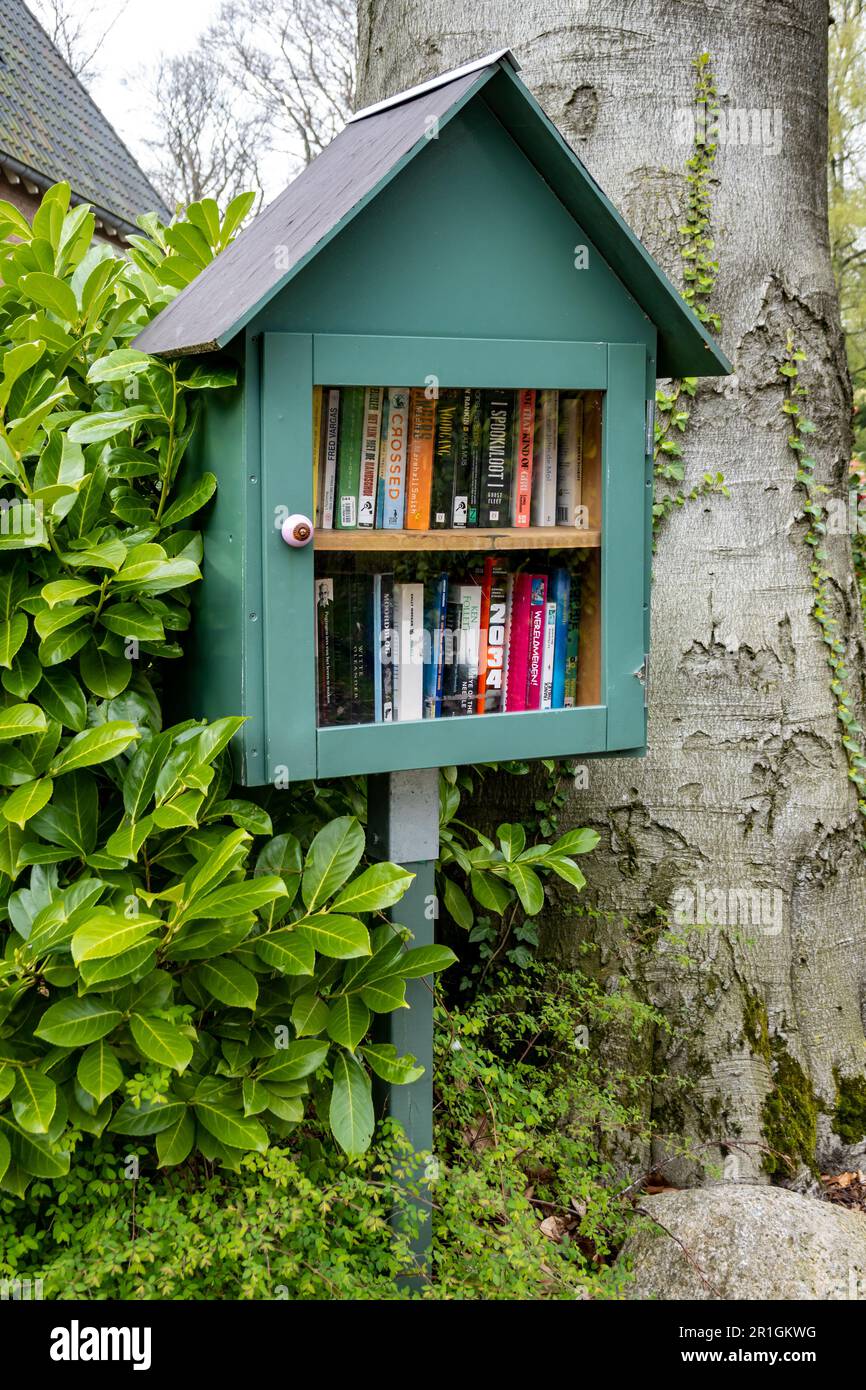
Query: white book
x=394, y=445
x=329, y=477
x=370, y=455
x=569, y=473
x=547, y=656
x=543, y=511
x=409, y=623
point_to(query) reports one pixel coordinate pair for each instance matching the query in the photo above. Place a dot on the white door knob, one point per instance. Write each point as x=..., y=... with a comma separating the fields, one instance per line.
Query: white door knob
x=297, y=530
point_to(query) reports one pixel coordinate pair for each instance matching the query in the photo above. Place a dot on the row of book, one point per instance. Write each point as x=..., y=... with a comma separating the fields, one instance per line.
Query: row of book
x=399, y=458
x=390, y=650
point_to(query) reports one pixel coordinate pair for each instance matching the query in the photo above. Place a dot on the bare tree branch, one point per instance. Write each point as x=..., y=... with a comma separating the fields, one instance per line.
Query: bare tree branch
x=77, y=32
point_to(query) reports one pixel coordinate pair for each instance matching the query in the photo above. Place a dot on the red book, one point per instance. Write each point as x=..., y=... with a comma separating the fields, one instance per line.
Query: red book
x=535, y=641
x=518, y=644
x=525, y=435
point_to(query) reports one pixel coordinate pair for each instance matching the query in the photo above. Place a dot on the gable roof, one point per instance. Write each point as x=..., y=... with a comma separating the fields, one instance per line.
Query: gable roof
x=51, y=129
x=372, y=149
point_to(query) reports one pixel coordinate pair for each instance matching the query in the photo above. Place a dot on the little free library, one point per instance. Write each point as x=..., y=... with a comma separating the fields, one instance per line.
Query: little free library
x=431, y=539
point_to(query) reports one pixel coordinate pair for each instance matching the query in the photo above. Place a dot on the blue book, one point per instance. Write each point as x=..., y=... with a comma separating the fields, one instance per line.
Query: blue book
x=560, y=591
x=395, y=457
x=434, y=625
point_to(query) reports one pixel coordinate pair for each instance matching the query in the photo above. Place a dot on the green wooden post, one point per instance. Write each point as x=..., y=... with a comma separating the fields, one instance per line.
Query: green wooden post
x=403, y=826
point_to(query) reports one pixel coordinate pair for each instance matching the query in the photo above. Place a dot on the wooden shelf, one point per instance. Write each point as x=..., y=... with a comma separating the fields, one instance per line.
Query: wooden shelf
x=472, y=538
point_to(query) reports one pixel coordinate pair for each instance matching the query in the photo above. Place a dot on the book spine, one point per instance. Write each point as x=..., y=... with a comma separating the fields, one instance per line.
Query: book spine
x=325, y=650
x=548, y=655
x=383, y=453
x=445, y=458
x=572, y=647
x=386, y=646
x=329, y=469
x=434, y=638
x=363, y=639
x=483, y=655
x=570, y=467
x=461, y=482
x=560, y=594
x=544, y=464
x=535, y=666
x=396, y=442
x=317, y=451
x=475, y=460
x=410, y=624
x=349, y=457
x=469, y=601
x=518, y=644
x=509, y=610
x=419, y=462
x=493, y=506
x=370, y=455
x=341, y=705
x=450, y=646
x=521, y=500
x=377, y=663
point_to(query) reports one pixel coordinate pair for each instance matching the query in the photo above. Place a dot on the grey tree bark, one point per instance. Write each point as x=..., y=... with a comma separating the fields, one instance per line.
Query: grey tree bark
x=745, y=784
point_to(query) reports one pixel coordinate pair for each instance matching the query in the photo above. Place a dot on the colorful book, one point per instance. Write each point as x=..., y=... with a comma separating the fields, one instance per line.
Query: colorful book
x=317, y=448
x=543, y=509
x=468, y=598
x=329, y=460
x=494, y=611
x=521, y=492
x=325, y=650
x=445, y=457
x=372, y=429
x=434, y=645
x=496, y=448
x=560, y=595
x=467, y=466
x=549, y=647
x=569, y=474
x=518, y=644
x=535, y=659
x=419, y=459
x=409, y=624
x=396, y=442
x=572, y=647
x=349, y=456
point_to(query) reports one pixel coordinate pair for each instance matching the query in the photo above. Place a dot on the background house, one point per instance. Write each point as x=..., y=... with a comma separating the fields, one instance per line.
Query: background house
x=51, y=129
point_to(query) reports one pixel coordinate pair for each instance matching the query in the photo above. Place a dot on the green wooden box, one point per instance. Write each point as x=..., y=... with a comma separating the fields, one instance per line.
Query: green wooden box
x=449, y=235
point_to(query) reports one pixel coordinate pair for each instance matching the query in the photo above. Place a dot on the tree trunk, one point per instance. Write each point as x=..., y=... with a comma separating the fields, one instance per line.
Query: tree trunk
x=745, y=785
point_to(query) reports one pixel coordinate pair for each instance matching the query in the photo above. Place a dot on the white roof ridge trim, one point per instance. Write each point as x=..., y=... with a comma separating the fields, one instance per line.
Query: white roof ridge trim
x=501, y=55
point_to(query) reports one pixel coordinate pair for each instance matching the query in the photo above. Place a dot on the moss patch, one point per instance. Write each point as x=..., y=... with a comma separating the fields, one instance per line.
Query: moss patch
x=849, y=1116
x=789, y=1114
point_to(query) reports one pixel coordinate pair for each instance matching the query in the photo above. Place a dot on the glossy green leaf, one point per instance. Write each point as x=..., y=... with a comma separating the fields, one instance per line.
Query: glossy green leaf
x=351, y=1110
x=161, y=1042
x=340, y=938
x=99, y=1071
x=287, y=951
x=174, y=1143
x=76, y=1022
x=378, y=887
x=106, y=934
x=383, y=1059
x=27, y=800
x=297, y=1060
x=230, y=1127
x=96, y=745
x=348, y=1021
x=332, y=857
x=229, y=982
x=34, y=1100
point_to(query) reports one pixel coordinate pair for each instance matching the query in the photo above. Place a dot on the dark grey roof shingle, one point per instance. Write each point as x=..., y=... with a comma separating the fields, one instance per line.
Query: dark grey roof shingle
x=50, y=124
